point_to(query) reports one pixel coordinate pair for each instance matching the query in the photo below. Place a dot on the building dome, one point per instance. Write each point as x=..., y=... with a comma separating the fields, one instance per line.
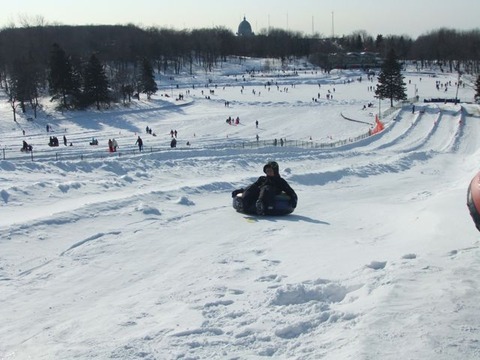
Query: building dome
x=244, y=29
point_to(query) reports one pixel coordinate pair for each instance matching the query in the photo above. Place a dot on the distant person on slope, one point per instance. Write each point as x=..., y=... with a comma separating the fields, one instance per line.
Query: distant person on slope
x=139, y=142
x=261, y=193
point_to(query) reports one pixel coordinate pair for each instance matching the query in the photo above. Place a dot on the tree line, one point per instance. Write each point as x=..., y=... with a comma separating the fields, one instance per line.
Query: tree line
x=93, y=65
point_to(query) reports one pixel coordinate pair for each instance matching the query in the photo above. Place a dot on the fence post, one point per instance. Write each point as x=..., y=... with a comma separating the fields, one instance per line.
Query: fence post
x=31, y=155
x=3, y=153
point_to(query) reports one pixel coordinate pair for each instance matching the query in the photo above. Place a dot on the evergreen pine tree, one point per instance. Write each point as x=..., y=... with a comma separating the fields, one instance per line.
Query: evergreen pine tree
x=390, y=80
x=477, y=89
x=62, y=78
x=95, y=83
x=147, y=79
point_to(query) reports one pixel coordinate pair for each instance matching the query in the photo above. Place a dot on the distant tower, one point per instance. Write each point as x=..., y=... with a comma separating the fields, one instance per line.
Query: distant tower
x=333, y=26
x=245, y=29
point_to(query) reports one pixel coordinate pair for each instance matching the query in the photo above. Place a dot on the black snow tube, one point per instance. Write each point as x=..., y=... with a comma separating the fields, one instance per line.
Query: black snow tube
x=473, y=200
x=282, y=205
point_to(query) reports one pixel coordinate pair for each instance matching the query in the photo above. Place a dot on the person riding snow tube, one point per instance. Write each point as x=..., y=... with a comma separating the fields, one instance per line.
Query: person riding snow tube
x=269, y=195
x=282, y=205
x=473, y=200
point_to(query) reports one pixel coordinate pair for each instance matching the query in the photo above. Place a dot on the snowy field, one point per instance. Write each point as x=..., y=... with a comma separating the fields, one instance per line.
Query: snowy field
x=134, y=255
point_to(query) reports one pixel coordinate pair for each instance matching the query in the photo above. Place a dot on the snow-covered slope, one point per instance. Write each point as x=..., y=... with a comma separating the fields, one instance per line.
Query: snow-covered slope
x=141, y=256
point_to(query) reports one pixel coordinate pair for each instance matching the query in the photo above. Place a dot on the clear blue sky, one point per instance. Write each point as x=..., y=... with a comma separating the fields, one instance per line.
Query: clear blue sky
x=386, y=17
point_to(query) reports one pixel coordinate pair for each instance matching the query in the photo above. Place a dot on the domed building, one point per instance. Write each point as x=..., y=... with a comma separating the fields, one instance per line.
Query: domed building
x=245, y=29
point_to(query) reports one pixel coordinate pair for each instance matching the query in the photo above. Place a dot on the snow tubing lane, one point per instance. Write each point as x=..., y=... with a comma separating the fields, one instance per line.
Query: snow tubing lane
x=282, y=206
x=473, y=200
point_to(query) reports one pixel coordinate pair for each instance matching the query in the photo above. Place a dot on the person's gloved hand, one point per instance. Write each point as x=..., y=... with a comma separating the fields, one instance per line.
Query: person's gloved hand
x=236, y=192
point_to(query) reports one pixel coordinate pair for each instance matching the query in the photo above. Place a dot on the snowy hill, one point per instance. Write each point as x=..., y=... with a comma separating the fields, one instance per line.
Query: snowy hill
x=133, y=255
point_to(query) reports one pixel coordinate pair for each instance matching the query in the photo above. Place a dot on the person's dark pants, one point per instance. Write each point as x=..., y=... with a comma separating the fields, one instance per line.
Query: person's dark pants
x=249, y=197
x=267, y=196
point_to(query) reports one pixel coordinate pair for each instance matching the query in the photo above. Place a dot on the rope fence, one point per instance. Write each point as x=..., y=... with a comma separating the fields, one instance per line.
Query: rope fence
x=82, y=154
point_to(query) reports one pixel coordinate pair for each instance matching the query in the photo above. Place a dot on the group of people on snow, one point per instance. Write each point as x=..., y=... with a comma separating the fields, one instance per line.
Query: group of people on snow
x=112, y=145
x=149, y=130
x=53, y=141
x=26, y=147
x=231, y=121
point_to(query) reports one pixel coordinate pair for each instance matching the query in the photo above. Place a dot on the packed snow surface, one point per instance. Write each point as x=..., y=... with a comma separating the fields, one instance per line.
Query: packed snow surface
x=140, y=255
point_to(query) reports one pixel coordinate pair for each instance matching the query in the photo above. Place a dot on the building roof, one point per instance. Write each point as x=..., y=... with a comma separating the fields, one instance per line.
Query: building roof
x=245, y=29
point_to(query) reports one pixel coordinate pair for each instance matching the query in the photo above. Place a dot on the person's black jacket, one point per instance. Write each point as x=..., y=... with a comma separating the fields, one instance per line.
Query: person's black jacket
x=278, y=183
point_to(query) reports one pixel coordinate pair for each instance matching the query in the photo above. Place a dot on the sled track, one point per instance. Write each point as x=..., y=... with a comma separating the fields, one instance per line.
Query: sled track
x=410, y=140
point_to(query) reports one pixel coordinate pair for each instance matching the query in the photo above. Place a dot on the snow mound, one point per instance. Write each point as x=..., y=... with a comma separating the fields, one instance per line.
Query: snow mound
x=183, y=200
